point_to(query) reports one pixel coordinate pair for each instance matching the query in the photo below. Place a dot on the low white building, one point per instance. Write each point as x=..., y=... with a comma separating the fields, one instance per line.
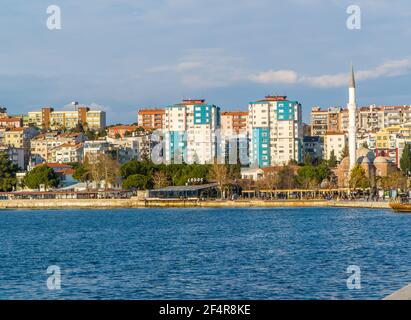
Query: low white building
x=334, y=142
x=67, y=153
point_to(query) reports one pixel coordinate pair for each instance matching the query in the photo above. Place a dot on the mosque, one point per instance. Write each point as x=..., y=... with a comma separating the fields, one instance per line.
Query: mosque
x=372, y=165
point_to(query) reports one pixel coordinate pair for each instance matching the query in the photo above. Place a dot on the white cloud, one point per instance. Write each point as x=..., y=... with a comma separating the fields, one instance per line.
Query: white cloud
x=390, y=68
x=280, y=76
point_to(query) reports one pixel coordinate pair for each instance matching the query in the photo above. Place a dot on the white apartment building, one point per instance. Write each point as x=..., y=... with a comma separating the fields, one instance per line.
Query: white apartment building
x=190, y=132
x=276, y=131
x=334, y=142
x=43, y=145
x=132, y=148
x=67, y=153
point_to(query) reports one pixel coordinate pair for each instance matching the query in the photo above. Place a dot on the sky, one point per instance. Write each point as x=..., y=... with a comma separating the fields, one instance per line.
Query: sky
x=123, y=55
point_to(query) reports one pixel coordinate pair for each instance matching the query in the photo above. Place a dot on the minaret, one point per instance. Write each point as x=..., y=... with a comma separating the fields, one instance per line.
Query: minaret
x=352, y=129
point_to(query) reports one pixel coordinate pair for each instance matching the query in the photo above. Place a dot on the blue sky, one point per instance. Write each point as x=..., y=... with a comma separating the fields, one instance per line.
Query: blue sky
x=122, y=55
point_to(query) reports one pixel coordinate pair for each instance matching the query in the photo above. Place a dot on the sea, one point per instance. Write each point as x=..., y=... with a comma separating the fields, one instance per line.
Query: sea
x=247, y=253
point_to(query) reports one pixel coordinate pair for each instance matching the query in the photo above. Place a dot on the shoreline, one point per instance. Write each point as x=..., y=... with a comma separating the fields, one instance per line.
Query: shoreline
x=156, y=203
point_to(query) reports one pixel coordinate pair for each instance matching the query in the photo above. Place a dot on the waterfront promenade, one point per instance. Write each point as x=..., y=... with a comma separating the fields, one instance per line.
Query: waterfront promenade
x=156, y=203
x=403, y=294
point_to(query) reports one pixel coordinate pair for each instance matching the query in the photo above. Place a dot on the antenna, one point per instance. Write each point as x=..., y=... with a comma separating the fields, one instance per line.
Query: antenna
x=75, y=104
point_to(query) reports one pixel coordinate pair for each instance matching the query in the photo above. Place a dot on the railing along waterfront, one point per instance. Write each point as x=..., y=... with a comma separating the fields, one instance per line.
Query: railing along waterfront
x=42, y=195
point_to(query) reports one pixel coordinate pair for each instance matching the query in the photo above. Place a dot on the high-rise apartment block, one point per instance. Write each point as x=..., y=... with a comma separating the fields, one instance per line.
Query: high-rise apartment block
x=234, y=137
x=190, y=132
x=276, y=131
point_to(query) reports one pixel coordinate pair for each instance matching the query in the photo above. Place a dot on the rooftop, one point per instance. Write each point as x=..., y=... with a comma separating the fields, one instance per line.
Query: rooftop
x=187, y=188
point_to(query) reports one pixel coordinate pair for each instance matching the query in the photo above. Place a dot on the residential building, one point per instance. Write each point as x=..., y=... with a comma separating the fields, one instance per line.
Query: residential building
x=67, y=153
x=190, y=132
x=131, y=148
x=319, y=121
x=11, y=122
x=313, y=147
x=275, y=130
x=368, y=119
x=42, y=146
x=336, y=142
x=151, y=119
x=49, y=119
x=18, y=138
x=121, y=131
x=388, y=142
x=234, y=137
x=92, y=149
x=16, y=155
x=234, y=123
x=3, y=112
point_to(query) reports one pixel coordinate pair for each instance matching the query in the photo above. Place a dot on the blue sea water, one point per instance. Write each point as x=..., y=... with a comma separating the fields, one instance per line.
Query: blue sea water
x=290, y=253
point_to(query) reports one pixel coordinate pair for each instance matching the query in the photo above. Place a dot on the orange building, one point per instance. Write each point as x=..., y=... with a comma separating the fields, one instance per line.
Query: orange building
x=151, y=119
x=234, y=122
x=121, y=131
x=14, y=122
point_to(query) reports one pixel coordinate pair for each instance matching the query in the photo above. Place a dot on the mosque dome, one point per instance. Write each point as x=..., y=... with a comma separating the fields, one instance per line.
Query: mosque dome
x=365, y=160
x=365, y=153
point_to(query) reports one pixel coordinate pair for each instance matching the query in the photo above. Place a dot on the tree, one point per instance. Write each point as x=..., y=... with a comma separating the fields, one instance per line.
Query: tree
x=161, y=180
x=332, y=161
x=137, y=181
x=398, y=180
x=358, y=178
x=270, y=181
x=41, y=175
x=7, y=173
x=83, y=173
x=345, y=152
x=405, y=162
x=108, y=169
x=286, y=177
x=102, y=168
x=308, y=160
x=219, y=173
x=307, y=177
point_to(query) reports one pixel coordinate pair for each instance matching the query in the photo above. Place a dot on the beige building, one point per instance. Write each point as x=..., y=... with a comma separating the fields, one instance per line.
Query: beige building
x=47, y=118
x=43, y=145
x=67, y=153
x=233, y=123
x=334, y=142
x=18, y=138
x=369, y=119
x=319, y=121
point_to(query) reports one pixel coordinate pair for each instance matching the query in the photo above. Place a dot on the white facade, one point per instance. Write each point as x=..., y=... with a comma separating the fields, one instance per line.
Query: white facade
x=334, y=142
x=276, y=131
x=190, y=132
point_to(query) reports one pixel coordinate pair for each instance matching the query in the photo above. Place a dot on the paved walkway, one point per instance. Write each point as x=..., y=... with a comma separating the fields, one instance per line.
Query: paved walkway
x=403, y=294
